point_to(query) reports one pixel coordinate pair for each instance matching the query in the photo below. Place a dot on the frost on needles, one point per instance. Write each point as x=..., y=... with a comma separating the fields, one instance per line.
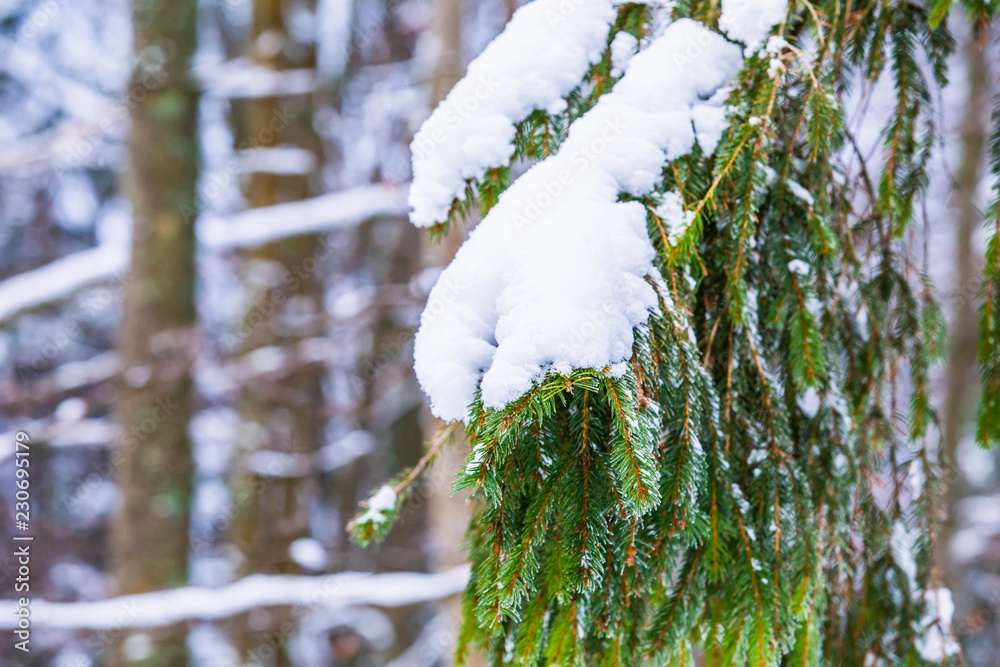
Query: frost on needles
x=675, y=345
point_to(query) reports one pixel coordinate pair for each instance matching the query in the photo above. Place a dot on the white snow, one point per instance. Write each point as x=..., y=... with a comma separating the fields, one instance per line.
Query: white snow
x=346, y=450
x=675, y=219
x=337, y=210
x=798, y=191
x=709, y=123
x=902, y=546
x=309, y=553
x=284, y=160
x=379, y=505
x=749, y=21
x=71, y=410
x=58, y=433
x=553, y=279
x=809, y=402
x=333, y=31
x=798, y=267
x=242, y=79
x=775, y=44
x=63, y=277
x=110, y=259
x=623, y=47
x=938, y=642
x=539, y=58
x=279, y=464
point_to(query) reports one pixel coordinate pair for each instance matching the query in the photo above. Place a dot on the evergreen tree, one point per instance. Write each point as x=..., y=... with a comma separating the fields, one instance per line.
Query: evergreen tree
x=755, y=476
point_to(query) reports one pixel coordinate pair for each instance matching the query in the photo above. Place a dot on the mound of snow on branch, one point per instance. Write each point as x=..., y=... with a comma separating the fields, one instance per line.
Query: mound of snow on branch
x=553, y=279
x=749, y=21
x=541, y=56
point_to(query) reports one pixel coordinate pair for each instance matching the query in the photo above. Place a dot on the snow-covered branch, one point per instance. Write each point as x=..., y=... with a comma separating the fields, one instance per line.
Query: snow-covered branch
x=338, y=210
x=349, y=589
x=61, y=278
x=538, y=59
x=563, y=225
x=241, y=79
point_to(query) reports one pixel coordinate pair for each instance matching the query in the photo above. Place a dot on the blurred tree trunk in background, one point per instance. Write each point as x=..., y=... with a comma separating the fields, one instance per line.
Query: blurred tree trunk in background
x=962, y=379
x=282, y=415
x=511, y=7
x=450, y=514
x=450, y=66
x=389, y=402
x=153, y=459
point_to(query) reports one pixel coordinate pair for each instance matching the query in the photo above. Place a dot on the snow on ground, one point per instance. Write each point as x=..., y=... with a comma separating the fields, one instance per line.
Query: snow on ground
x=540, y=57
x=553, y=279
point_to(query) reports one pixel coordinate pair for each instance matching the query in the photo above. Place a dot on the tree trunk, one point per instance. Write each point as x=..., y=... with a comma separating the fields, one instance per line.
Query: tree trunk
x=274, y=483
x=450, y=66
x=449, y=513
x=962, y=374
x=153, y=459
x=388, y=400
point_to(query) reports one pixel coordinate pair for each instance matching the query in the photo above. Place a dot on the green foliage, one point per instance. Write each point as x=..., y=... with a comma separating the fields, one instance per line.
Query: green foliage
x=541, y=134
x=757, y=485
x=988, y=422
x=372, y=526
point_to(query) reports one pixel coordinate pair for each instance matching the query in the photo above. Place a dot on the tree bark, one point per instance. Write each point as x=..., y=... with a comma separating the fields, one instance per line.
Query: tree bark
x=388, y=401
x=282, y=420
x=449, y=513
x=962, y=375
x=149, y=545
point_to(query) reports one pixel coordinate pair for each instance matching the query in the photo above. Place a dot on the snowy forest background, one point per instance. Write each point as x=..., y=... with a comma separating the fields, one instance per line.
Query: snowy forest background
x=304, y=397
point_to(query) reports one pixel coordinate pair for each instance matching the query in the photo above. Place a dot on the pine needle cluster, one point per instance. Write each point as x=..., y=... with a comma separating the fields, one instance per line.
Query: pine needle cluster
x=760, y=487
